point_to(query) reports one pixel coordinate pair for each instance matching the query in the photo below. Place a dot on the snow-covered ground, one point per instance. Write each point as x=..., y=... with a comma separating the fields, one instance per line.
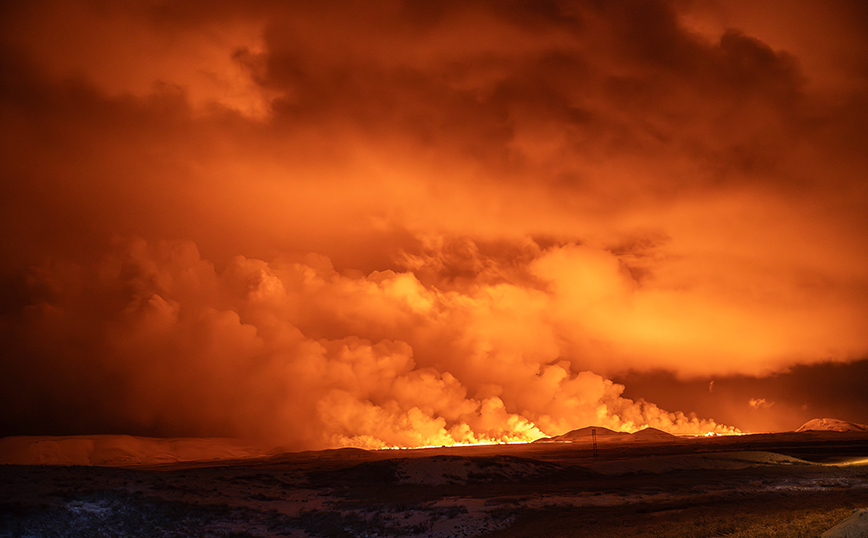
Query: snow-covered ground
x=347, y=493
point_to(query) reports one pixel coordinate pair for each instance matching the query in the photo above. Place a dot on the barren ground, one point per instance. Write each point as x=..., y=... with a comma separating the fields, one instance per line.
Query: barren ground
x=793, y=485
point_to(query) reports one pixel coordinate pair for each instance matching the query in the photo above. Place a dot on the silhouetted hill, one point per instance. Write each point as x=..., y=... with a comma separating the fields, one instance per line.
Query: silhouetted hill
x=831, y=425
x=605, y=435
x=653, y=434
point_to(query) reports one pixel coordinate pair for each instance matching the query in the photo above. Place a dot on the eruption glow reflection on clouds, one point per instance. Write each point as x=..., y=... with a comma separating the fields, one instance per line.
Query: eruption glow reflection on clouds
x=401, y=224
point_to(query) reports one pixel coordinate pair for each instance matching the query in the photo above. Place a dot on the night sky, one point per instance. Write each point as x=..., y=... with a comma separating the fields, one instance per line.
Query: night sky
x=401, y=223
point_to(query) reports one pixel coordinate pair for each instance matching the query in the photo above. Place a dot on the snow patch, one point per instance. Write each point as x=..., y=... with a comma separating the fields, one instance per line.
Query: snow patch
x=855, y=526
x=831, y=425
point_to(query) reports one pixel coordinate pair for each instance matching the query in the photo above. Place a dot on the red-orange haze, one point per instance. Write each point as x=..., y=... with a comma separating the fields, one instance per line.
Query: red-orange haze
x=400, y=223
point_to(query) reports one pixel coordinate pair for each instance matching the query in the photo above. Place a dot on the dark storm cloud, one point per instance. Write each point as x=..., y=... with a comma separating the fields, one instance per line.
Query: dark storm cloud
x=489, y=85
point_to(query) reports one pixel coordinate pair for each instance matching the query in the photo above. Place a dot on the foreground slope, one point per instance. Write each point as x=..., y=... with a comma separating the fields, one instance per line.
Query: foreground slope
x=688, y=487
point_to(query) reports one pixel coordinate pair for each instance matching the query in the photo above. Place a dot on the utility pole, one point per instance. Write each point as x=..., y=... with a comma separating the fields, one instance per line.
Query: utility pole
x=594, y=437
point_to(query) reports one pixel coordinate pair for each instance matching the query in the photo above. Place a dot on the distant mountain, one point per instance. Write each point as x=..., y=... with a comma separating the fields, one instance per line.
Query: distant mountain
x=605, y=435
x=831, y=425
x=653, y=434
x=119, y=450
x=585, y=434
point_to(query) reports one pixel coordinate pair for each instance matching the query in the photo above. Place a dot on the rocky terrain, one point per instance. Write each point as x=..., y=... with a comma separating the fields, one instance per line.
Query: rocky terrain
x=792, y=484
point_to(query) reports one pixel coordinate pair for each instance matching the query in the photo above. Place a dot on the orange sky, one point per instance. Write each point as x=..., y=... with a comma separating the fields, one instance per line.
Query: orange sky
x=394, y=223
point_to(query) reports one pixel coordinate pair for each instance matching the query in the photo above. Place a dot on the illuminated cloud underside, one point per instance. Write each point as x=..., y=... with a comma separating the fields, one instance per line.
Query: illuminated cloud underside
x=396, y=225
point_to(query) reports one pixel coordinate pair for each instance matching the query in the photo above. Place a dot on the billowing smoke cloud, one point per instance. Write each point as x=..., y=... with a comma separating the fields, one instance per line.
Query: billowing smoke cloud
x=402, y=223
x=296, y=353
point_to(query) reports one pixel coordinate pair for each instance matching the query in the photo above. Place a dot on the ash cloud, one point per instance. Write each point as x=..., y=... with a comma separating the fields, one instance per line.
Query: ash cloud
x=170, y=345
x=445, y=222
